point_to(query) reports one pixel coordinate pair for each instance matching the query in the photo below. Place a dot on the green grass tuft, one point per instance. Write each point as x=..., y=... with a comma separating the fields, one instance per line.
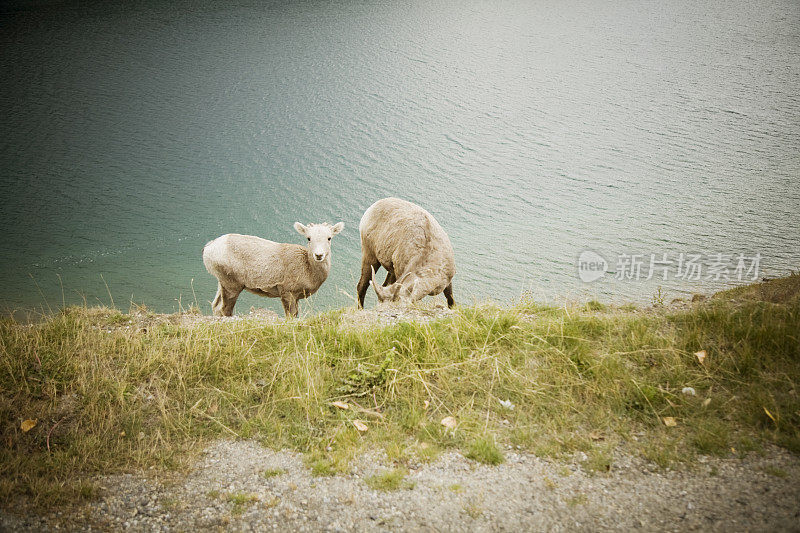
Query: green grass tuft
x=484, y=450
x=777, y=472
x=576, y=500
x=322, y=466
x=594, y=305
x=600, y=459
x=273, y=472
x=240, y=501
x=394, y=479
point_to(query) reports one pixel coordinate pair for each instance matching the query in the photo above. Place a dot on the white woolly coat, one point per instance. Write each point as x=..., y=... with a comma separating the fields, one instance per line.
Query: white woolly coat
x=264, y=267
x=405, y=239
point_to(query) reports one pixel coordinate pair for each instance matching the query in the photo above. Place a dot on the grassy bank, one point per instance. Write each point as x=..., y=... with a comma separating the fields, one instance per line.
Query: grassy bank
x=103, y=397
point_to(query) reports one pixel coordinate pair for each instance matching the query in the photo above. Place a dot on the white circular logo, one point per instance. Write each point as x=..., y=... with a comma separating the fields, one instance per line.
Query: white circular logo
x=591, y=266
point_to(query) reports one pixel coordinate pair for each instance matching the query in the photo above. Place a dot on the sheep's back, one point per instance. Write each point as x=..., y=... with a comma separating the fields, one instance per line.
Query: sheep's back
x=399, y=232
x=244, y=259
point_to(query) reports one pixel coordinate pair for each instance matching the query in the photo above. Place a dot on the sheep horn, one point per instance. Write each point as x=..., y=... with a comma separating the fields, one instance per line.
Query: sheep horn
x=378, y=289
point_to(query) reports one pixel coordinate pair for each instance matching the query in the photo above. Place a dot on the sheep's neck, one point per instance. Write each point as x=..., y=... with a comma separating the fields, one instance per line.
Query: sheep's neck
x=319, y=269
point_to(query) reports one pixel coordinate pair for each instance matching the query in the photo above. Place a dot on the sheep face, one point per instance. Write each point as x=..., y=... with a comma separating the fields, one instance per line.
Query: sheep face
x=319, y=238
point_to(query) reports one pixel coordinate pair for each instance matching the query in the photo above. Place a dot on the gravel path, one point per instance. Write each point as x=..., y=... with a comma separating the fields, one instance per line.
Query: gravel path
x=756, y=493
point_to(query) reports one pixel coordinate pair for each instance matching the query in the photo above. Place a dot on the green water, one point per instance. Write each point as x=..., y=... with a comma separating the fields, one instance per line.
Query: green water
x=133, y=134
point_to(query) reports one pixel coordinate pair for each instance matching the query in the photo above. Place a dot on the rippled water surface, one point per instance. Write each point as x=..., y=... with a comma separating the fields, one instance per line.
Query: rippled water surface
x=532, y=131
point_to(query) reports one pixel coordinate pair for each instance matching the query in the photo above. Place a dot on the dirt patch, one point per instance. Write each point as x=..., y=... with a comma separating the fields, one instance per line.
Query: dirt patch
x=387, y=314
x=142, y=321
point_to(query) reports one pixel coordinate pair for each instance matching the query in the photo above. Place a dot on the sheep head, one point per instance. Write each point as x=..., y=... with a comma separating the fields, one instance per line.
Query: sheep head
x=403, y=289
x=319, y=238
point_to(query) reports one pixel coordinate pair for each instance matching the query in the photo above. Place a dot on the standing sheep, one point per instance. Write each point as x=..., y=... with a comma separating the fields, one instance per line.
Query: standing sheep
x=407, y=241
x=286, y=271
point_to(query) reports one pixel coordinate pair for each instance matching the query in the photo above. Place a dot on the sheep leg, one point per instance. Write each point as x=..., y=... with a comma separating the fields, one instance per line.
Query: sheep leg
x=448, y=293
x=363, y=282
x=290, y=307
x=227, y=299
x=390, y=278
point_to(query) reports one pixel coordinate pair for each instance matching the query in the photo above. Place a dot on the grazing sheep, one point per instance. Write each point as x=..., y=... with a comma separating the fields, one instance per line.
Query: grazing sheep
x=286, y=271
x=407, y=241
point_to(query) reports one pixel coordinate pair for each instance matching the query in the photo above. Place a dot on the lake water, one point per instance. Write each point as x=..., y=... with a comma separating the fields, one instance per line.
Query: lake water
x=532, y=130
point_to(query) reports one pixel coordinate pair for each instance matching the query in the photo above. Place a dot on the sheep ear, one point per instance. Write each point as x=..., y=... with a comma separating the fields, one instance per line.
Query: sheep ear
x=301, y=229
x=337, y=228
